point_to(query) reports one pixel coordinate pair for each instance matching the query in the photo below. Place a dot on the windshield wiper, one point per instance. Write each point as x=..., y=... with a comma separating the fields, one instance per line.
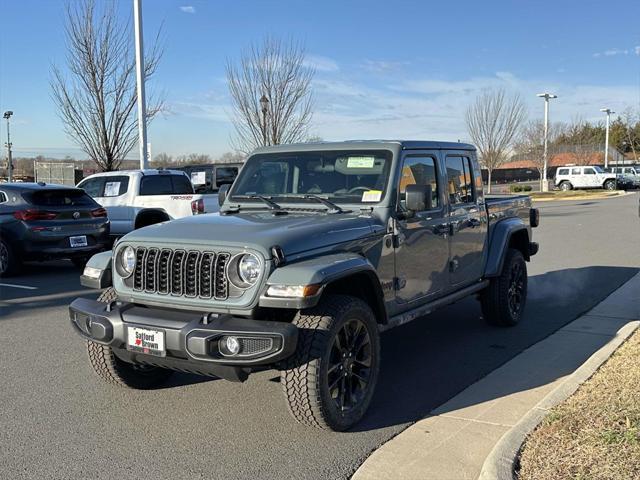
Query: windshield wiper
x=333, y=208
x=270, y=203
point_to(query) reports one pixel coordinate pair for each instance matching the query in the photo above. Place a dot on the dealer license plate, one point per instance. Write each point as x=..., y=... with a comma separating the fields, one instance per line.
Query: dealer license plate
x=145, y=340
x=79, y=241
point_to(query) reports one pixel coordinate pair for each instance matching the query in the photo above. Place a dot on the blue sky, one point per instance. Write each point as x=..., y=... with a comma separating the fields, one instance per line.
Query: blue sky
x=401, y=69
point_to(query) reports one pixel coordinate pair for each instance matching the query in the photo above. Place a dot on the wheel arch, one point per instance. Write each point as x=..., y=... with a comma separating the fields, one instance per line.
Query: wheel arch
x=150, y=216
x=509, y=233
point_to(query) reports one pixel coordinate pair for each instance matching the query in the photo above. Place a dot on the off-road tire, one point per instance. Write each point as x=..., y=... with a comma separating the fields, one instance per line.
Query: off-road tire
x=495, y=298
x=565, y=186
x=305, y=379
x=9, y=261
x=118, y=372
x=609, y=185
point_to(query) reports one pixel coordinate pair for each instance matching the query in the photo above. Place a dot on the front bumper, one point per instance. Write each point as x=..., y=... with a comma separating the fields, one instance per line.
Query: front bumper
x=191, y=338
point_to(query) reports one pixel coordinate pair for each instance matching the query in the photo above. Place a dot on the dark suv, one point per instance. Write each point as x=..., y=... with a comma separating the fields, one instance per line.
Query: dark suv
x=41, y=222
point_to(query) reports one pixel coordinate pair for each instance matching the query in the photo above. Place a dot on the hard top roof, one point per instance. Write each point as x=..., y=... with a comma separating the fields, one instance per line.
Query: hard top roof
x=367, y=144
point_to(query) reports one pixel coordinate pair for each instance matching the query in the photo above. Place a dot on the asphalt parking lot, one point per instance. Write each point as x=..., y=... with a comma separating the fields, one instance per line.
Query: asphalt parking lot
x=59, y=421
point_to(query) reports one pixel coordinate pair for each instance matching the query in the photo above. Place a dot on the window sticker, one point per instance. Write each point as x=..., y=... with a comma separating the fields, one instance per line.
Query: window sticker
x=112, y=189
x=372, y=196
x=198, y=178
x=361, y=162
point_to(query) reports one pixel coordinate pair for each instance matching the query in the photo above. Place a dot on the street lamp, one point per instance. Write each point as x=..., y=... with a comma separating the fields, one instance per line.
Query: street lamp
x=608, y=111
x=7, y=115
x=264, y=105
x=546, y=96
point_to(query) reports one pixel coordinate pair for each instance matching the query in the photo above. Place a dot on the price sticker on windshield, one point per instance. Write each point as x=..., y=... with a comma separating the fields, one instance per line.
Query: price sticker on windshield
x=372, y=196
x=360, y=162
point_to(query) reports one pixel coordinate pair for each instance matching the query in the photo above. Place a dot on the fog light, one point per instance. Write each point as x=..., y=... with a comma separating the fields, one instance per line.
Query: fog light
x=230, y=345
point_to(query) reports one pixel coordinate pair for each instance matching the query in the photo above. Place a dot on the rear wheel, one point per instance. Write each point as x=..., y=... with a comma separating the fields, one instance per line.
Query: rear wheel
x=330, y=380
x=566, y=186
x=115, y=371
x=610, y=185
x=503, y=301
x=9, y=260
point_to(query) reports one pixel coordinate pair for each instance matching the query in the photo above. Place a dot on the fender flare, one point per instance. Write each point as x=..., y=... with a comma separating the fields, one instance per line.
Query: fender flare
x=323, y=271
x=502, y=233
x=102, y=262
x=154, y=211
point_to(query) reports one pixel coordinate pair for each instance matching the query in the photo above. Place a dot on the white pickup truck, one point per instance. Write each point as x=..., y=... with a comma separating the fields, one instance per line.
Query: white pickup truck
x=138, y=198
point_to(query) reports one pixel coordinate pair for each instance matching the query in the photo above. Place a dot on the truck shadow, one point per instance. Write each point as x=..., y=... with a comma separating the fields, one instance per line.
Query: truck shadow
x=430, y=360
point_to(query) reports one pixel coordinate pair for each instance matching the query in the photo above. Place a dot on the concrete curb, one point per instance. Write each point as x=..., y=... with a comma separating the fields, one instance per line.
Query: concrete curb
x=502, y=461
x=583, y=197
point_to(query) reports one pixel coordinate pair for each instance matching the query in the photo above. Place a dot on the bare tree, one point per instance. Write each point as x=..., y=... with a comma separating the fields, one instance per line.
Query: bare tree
x=275, y=70
x=231, y=157
x=632, y=132
x=162, y=160
x=493, y=121
x=582, y=147
x=96, y=96
x=530, y=143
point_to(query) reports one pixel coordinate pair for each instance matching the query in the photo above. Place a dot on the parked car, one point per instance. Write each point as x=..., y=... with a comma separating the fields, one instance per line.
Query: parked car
x=208, y=178
x=317, y=249
x=633, y=170
x=42, y=222
x=138, y=198
x=625, y=181
x=570, y=177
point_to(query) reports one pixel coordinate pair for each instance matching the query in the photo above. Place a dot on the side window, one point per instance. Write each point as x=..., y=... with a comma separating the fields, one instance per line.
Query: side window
x=3, y=197
x=420, y=171
x=225, y=175
x=93, y=186
x=575, y=171
x=563, y=171
x=181, y=185
x=115, y=186
x=459, y=185
x=589, y=171
x=156, y=185
x=468, y=179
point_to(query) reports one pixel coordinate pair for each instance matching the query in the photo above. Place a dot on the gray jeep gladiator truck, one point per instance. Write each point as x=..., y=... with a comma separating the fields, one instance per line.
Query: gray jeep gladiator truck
x=316, y=250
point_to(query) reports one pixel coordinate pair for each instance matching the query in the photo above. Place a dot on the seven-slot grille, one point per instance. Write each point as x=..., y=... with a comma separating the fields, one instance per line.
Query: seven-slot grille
x=181, y=272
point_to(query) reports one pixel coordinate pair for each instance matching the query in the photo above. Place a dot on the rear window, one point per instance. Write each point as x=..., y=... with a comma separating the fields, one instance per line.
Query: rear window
x=165, y=185
x=225, y=175
x=108, y=186
x=59, y=198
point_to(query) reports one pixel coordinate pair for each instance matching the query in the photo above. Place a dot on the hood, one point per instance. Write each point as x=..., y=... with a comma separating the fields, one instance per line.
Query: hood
x=294, y=232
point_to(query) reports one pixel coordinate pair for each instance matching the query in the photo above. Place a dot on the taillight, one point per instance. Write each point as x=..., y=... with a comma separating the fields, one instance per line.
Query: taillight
x=30, y=215
x=99, y=212
x=197, y=206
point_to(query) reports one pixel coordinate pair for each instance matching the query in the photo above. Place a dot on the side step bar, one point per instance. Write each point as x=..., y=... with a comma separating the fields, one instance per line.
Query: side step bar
x=427, y=308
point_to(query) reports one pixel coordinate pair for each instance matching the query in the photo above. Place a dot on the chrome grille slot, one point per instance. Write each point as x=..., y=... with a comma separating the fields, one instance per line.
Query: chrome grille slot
x=221, y=290
x=150, y=270
x=138, y=273
x=163, y=271
x=177, y=277
x=206, y=274
x=192, y=274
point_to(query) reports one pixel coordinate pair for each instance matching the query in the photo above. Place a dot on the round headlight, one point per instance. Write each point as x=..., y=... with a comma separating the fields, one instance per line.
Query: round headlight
x=128, y=260
x=249, y=268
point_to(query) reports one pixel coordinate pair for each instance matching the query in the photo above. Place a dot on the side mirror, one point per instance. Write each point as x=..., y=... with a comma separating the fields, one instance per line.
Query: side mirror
x=222, y=193
x=418, y=198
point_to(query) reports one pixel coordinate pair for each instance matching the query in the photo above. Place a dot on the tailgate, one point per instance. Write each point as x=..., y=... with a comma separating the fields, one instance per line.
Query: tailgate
x=176, y=206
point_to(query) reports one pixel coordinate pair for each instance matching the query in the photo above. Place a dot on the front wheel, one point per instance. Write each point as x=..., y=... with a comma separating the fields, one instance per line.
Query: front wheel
x=610, y=185
x=503, y=301
x=566, y=186
x=115, y=371
x=330, y=379
x=9, y=260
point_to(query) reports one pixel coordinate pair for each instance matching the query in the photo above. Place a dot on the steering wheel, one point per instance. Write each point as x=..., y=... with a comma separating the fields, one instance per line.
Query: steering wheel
x=355, y=189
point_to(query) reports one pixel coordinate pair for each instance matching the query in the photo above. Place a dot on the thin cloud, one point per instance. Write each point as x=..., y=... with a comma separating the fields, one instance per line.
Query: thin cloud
x=637, y=50
x=188, y=9
x=321, y=64
x=612, y=52
x=382, y=66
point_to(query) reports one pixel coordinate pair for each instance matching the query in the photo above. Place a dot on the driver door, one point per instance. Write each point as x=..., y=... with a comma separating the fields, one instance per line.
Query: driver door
x=421, y=238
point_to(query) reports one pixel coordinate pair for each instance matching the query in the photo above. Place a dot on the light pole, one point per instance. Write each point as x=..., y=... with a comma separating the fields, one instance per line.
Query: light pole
x=608, y=111
x=142, y=106
x=7, y=115
x=546, y=96
x=264, y=105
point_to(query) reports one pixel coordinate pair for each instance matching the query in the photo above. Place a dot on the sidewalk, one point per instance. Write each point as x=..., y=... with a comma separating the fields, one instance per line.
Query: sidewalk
x=454, y=440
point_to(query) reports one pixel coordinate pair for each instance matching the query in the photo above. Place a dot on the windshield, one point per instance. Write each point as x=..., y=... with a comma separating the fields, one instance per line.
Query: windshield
x=599, y=169
x=340, y=176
